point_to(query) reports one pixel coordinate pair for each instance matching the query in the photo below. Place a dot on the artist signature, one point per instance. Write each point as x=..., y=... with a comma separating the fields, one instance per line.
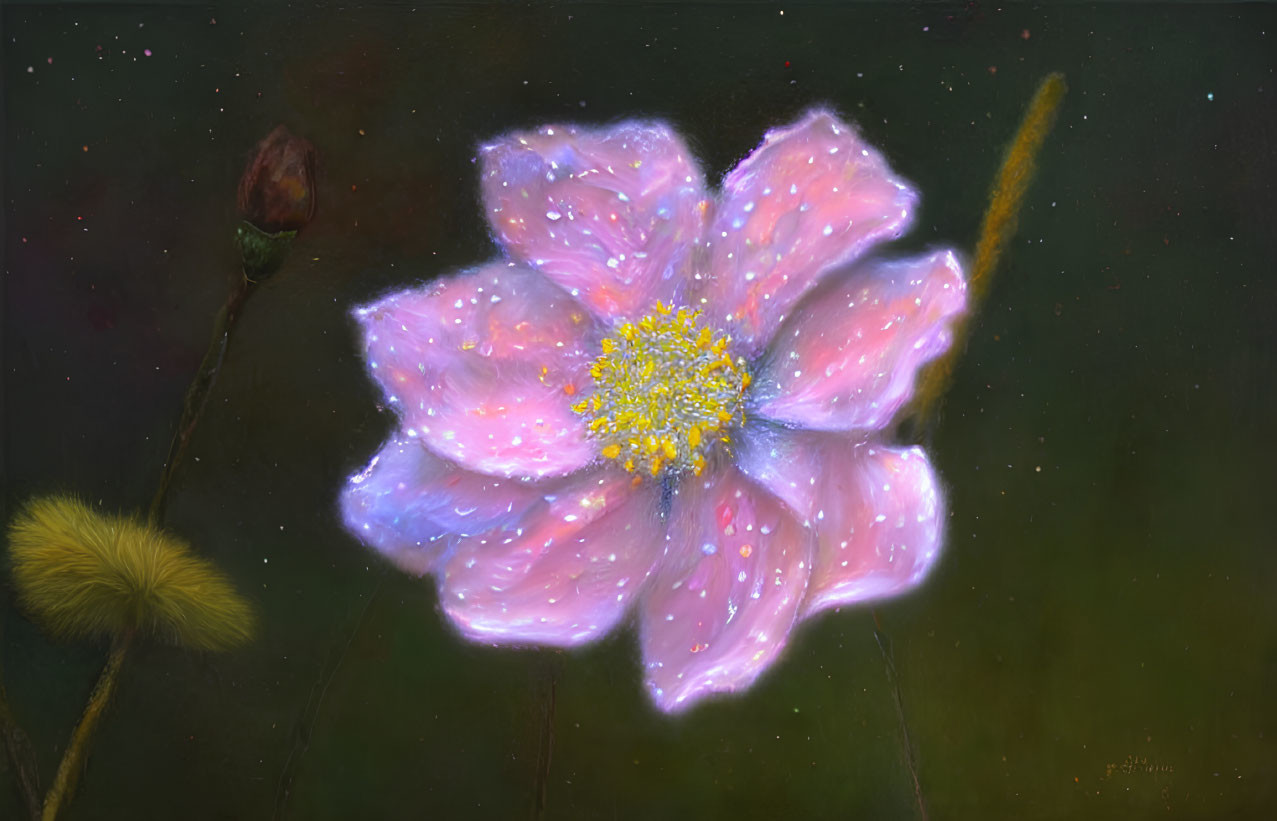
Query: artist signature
x=1135, y=764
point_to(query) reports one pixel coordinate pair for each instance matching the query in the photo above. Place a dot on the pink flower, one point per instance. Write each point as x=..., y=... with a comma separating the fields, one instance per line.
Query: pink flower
x=668, y=400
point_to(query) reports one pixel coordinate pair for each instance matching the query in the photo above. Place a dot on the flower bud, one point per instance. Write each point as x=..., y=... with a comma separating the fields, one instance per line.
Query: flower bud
x=277, y=191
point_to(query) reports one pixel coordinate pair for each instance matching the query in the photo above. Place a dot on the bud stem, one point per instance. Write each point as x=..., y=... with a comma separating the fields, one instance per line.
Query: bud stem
x=198, y=393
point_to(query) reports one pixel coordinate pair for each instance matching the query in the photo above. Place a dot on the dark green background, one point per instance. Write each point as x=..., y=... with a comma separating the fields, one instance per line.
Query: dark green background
x=1116, y=605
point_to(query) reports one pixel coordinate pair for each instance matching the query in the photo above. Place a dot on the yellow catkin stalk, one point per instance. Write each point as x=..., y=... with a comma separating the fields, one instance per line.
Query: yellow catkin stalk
x=999, y=226
x=73, y=758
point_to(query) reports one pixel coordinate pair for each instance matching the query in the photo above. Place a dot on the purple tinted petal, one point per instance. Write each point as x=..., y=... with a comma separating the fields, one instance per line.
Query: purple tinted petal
x=878, y=511
x=847, y=357
x=562, y=574
x=408, y=503
x=720, y=608
x=484, y=367
x=780, y=459
x=879, y=525
x=611, y=214
x=812, y=196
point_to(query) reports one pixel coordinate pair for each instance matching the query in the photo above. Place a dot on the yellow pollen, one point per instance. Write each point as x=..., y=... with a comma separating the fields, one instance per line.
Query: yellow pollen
x=666, y=391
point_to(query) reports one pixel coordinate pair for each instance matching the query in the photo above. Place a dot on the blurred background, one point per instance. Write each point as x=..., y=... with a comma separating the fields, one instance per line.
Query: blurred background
x=1100, y=637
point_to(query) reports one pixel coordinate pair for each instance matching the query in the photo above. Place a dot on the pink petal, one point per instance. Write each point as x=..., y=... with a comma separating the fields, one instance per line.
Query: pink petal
x=562, y=574
x=720, y=608
x=780, y=459
x=409, y=503
x=878, y=511
x=812, y=196
x=847, y=357
x=484, y=367
x=610, y=214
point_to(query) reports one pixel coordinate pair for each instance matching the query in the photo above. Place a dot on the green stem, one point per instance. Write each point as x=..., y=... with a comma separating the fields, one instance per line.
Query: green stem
x=198, y=393
x=21, y=757
x=893, y=679
x=73, y=759
x=545, y=698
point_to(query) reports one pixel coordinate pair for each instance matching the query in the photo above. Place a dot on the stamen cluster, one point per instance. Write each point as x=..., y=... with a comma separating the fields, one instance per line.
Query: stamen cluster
x=666, y=390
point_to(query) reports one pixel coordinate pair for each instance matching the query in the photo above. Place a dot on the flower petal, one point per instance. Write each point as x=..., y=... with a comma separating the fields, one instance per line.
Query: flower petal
x=720, y=608
x=878, y=511
x=812, y=196
x=611, y=214
x=779, y=459
x=562, y=574
x=408, y=503
x=846, y=359
x=484, y=366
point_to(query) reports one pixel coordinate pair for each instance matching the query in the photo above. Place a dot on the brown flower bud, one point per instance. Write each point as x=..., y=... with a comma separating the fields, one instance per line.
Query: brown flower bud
x=277, y=191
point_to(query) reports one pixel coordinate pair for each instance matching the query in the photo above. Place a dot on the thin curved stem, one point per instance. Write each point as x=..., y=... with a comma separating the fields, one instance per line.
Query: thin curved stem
x=73, y=759
x=996, y=231
x=546, y=699
x=910, y=752
x=198, y=393
x=21, y=757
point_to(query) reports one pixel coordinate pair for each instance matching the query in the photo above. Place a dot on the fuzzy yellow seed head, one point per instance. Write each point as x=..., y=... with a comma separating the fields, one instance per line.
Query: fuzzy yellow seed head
x=80, y=574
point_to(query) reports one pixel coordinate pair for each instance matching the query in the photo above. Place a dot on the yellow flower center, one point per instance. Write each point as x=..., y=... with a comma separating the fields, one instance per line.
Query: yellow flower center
x=665, y=391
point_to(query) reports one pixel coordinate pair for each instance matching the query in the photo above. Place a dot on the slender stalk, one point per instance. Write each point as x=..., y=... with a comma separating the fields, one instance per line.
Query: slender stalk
x=73, y=759
x=996, y=231
x=546, y=699
x=911, y=757
x=198, y=393
x=21, y=757
x=314, y=704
